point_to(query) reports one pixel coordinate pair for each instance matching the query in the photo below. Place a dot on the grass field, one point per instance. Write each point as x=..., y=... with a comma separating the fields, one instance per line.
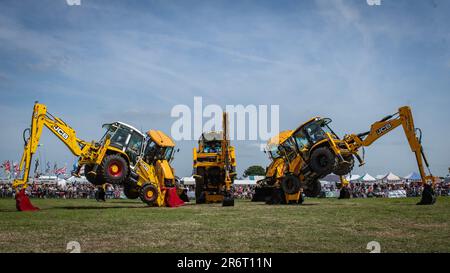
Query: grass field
x=320, y=225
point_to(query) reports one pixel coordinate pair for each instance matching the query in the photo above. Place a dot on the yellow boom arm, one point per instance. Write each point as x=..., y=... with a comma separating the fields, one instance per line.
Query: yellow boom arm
x=380, y=128
x=225, y=151
x=66, y=134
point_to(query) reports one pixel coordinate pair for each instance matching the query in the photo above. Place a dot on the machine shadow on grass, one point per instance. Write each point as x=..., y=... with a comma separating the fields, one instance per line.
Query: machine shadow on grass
x=95, y=207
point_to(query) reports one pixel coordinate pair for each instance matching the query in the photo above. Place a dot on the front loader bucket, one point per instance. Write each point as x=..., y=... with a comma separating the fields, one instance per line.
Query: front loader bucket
x=428, y=196
x=172, y=198
x=23, y=202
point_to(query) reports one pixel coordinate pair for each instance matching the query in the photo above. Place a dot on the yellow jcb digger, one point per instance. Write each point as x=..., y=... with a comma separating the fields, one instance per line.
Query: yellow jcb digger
x=214, y=167
x=109, y=160
x=153, y=178
x=300, y=157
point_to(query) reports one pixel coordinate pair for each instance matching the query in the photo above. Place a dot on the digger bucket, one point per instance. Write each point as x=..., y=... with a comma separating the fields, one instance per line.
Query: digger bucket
x=428, y=196
x=172, y=198
x=23, y=202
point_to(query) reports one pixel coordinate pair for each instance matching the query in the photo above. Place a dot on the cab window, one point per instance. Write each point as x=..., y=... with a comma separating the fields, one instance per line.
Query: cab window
x=120, y=137
x=301, y=140
x=134, y=146
x=151, y=152
x=315, y=132
x=288, y=148
x=212, y=147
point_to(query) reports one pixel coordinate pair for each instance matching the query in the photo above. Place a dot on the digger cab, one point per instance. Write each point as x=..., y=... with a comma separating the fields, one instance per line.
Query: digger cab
x=158, y=147
x=125, y=138
x=211, y=142
x=313, y=132
x=154, y=179
x=274, y=144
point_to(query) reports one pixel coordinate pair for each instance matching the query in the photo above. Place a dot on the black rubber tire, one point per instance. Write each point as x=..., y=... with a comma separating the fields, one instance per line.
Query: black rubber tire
x=106, y=172
x=314, y=189
x=344, y=168
x=344, y=193
x=277, y=197
x=323, y=161
x=130, y=191
x=262, y=194
x=94, y=179
x=149, y=200
x=290, y=184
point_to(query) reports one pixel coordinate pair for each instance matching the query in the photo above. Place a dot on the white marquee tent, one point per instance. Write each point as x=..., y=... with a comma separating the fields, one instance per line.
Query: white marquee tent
x=413, y=177
x=391, y=178
x=244, y=182
x=189, y=180
x=353, y=178
x=367, y=178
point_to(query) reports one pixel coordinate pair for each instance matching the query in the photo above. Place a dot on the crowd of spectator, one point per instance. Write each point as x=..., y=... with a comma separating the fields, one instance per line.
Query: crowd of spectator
x=86, y=190
x=366, y=190
x=69, y=190
x=244, y=191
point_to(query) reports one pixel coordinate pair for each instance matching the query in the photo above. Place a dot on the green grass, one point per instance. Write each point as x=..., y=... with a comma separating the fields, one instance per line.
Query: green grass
x=320, y=225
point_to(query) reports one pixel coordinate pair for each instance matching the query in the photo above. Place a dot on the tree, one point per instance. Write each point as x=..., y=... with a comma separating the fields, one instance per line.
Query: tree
x=254, y=170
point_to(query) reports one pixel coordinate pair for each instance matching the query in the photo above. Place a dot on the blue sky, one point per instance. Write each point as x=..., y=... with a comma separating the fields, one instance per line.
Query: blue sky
x=134, y=60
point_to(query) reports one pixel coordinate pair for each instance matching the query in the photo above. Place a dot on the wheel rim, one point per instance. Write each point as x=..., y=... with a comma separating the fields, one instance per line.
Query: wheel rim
x=149, y=194
x=115, y=169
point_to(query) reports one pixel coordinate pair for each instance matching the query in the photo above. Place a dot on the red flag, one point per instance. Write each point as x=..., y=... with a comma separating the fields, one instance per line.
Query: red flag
x=16, y=167
x=7, y=166
x=61, y=170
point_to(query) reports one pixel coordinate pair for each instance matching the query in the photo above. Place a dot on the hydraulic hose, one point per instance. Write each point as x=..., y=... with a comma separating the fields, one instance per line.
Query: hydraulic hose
x=25, y=139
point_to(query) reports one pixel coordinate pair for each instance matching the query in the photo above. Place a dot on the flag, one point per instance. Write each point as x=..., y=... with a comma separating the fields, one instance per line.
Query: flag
x=36, y=165
x=47, y=170
x=16, y=168
x=61, y=171
x=7, y=166
x=7, y=169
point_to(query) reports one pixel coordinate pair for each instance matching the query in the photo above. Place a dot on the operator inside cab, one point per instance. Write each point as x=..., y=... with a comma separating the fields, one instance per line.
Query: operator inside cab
x=213, y=147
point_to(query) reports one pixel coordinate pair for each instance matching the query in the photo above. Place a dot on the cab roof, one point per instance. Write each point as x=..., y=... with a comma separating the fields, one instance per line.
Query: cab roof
x=127, y=125
x=160, y=138
x=306, y=123
x=280, y=138
x=212, y=136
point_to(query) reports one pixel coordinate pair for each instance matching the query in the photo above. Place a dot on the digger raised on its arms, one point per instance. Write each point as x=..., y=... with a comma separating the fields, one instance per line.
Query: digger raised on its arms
x=303, y=156
x=110, y=160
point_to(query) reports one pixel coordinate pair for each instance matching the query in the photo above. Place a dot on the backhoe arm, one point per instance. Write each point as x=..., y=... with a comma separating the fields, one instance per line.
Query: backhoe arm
x=380, y=128
x=226, y=152
x=66, y=134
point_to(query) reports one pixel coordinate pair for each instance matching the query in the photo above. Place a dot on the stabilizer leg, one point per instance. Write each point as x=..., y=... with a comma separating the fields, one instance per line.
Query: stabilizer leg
x=428, y=196
x=23, y=202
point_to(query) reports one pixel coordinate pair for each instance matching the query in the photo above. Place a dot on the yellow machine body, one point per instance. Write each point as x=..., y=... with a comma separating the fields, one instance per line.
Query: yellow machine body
x=153, y=175
x=214, y=165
